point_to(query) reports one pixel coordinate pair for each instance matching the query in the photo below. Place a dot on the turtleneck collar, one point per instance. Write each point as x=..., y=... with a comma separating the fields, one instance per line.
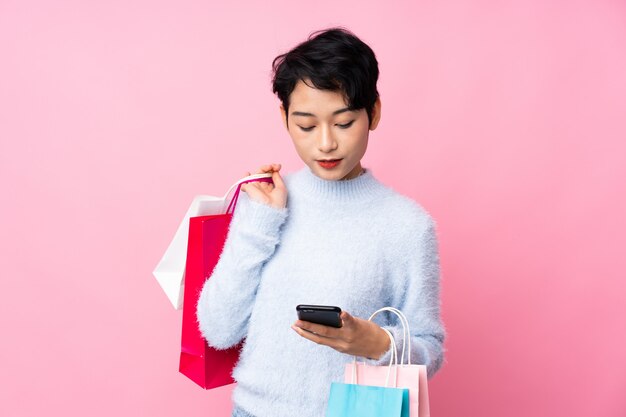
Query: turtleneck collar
x=365, y=187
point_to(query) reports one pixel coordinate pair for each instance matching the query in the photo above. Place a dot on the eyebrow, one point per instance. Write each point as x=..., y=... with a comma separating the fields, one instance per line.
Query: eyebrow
x=301, y=113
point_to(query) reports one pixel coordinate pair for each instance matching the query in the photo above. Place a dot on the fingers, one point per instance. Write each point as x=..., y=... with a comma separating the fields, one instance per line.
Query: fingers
x=269, y=168
x=278, y=180
x=315, y=337
x=346, y=319
x=318, y=329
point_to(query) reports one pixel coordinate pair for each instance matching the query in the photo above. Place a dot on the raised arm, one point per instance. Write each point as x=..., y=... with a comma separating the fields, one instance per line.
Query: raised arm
x=227, y=297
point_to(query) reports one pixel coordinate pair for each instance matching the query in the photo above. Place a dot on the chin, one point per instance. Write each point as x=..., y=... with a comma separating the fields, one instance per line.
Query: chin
x=323, y=174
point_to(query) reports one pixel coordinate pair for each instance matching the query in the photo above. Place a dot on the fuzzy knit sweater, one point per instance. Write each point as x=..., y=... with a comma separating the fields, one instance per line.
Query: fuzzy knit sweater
x=356, y=244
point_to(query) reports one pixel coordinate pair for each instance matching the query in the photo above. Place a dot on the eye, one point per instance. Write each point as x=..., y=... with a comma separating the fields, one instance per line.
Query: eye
x=347, y=125
x=306, y=129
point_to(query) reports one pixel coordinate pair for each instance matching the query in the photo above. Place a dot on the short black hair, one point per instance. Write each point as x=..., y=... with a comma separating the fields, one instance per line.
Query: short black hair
x=333, y=59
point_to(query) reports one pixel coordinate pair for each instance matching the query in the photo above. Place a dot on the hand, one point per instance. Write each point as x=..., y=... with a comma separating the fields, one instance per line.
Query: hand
x=356, y=336
x=274, y=195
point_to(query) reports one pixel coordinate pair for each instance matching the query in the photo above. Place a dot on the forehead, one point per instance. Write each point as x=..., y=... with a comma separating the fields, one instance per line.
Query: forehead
x=306, y=98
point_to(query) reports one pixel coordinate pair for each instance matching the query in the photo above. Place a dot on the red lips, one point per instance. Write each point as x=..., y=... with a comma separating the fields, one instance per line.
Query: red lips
x=329, y=164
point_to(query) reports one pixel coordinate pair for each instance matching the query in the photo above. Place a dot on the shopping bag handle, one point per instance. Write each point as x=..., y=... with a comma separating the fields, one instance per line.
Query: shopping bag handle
x=405, y=330
x=393, y=363
x=265, y=177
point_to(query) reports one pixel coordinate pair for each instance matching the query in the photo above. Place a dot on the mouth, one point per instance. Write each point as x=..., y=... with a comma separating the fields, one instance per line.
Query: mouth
x=328, y=163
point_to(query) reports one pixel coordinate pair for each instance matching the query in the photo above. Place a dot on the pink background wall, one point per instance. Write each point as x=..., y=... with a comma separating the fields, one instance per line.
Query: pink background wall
x=506, y=120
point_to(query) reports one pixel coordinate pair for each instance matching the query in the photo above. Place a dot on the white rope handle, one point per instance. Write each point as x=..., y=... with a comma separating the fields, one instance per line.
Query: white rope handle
x=248, y=178
x=241, y=181
x=394, y=358
x=392, y=361
x=406, y=332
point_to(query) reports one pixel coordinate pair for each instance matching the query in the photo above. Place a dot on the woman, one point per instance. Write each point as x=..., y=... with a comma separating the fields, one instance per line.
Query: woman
x=328, y=234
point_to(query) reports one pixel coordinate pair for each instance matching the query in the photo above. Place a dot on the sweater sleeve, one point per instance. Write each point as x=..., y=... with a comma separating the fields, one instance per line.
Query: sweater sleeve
x=227, y=297
x=418, y=299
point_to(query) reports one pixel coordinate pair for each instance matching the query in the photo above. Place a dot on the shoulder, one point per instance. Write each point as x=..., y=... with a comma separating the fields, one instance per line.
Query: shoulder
x=406, y=213
x=410, y=235
x=407, y=228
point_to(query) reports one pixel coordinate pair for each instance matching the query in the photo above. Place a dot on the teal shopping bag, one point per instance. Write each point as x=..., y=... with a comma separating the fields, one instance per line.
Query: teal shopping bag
x=352, y=400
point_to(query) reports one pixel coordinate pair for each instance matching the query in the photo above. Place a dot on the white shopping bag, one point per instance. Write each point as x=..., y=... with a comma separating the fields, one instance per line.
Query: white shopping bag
x=170, y=272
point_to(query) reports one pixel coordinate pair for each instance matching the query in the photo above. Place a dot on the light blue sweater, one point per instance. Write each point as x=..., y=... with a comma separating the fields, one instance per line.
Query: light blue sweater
x=356, y=244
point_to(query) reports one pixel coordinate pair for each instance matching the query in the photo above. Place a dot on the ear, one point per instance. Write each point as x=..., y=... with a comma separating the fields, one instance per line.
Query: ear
x=376, y=114
x=283, y=115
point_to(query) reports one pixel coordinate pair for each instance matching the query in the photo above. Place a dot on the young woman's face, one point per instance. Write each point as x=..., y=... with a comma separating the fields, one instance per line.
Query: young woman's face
x=323, y=129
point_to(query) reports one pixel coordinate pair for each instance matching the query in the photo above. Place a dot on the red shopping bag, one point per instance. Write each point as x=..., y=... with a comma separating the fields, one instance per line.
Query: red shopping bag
x=203, y=364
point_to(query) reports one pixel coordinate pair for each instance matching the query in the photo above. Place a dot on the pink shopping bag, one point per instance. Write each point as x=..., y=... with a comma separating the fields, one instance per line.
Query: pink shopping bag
x=405, y=375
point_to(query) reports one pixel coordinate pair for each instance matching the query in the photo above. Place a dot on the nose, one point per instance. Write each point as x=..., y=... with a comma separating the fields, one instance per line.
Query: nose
x=326, y=141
